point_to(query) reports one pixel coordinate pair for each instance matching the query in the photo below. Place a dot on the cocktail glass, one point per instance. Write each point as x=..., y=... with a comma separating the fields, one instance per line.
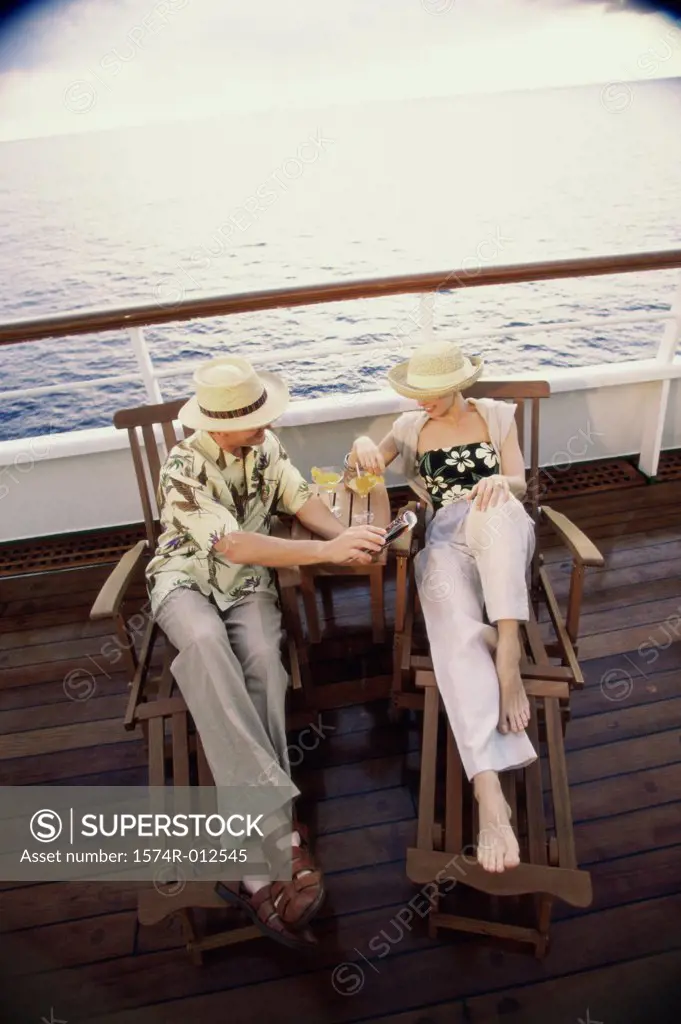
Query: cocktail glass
x=327, y=478
x=364, y=483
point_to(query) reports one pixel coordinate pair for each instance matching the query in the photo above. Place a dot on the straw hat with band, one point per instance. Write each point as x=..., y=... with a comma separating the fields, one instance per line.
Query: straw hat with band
x=435, y=369
x=230, y=395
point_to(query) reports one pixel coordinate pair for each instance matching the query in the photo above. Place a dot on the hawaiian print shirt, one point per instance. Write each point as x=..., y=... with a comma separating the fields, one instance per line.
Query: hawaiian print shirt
x=205, y=493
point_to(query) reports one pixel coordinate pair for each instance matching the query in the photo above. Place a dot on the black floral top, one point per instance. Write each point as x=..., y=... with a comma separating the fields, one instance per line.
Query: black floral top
x=449, y=473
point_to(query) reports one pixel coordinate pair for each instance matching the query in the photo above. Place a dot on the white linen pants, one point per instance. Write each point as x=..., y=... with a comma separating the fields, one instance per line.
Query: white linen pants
x=474, y=560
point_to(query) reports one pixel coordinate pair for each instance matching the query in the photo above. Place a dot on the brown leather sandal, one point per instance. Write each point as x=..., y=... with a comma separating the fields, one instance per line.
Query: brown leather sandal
x=298, y=900
x=259, y=907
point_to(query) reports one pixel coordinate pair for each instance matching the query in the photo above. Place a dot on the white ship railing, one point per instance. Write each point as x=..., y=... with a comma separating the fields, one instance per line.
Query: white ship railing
x=660, y=370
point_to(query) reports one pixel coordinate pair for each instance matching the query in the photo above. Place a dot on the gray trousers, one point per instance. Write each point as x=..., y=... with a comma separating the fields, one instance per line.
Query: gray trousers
x=229, y=671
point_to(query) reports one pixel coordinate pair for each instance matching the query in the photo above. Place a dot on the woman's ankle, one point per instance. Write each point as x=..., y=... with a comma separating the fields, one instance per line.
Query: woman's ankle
x=508, y=631
x=486, y=784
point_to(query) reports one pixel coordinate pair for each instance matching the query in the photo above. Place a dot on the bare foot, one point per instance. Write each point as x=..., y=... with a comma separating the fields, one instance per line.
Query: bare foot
x=514, y=707
x=497, y=845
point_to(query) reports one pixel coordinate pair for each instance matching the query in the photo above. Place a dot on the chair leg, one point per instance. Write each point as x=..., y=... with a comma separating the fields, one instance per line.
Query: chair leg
x=400, y=592
x=395, y=712
x=544, y=909
x=189, y=934
x=307, y=589
x=297, y=650
x=400, y=615
x=426, y=815
x=403, y=675
x=434, y=907
x=326, y=588
x=453, y=797
x=377, y=606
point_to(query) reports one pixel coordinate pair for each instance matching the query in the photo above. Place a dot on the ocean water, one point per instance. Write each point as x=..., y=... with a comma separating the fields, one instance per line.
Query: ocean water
x=213, y=207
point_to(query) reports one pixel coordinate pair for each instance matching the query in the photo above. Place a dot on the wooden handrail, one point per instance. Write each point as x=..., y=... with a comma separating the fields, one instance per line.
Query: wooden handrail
x=84, y=322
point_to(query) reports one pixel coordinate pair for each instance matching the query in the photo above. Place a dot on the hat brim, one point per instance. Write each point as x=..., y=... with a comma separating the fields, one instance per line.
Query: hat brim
x=277, y=400
x=397, y=378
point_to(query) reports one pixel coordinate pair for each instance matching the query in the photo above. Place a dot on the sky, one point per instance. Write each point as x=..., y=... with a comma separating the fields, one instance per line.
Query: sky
x=84, y=65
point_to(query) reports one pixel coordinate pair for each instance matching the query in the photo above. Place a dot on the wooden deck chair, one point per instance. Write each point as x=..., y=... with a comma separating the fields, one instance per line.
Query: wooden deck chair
x=155, y=704
x=447, y=825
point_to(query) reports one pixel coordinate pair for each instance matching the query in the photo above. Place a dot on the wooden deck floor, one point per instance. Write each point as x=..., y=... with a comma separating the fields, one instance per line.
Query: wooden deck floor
x=66, y=950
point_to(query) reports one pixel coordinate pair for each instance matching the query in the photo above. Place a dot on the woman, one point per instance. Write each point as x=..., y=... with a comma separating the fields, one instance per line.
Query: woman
x=463, y=458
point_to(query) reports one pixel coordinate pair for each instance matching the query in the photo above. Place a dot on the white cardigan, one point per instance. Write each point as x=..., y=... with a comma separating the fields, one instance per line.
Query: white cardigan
x=497, y=415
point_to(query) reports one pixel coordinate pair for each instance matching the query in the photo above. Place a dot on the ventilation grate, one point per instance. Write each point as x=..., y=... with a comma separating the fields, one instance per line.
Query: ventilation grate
x=588, y=478
x=67, y=552
x=669, y=467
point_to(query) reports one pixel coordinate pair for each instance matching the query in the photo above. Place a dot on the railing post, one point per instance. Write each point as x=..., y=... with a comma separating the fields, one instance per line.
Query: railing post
x=139, y=347
x=426, y=307
x=656, y=409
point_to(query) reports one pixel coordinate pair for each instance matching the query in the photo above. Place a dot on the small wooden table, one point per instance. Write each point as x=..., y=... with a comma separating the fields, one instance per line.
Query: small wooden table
x=351, y=506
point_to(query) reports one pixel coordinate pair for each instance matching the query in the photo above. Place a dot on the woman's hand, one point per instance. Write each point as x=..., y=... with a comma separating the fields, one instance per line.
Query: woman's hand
x=490, y=492
x=368, y=456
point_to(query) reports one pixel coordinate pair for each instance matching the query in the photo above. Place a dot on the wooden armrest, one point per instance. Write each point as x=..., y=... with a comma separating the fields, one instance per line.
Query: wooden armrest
x=287, y=576
x=583, y=550
x=109, y=598
x=402, y=546
x=280, y=527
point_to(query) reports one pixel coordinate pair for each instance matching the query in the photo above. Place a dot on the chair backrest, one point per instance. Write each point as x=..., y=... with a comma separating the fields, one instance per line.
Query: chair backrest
x=149, y=451
x=521, y=392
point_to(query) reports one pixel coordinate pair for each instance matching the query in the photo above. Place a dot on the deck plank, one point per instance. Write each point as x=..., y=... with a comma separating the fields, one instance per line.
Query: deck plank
x=43, y=695
x=624, y=639
x=57, y=671
x=622, y=722
x=63, y=713
x=78, y=763
x=33, y=742
x=621, y=992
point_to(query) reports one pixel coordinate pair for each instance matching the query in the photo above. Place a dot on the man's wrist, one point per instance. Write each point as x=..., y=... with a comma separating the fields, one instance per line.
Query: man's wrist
x=320, y=551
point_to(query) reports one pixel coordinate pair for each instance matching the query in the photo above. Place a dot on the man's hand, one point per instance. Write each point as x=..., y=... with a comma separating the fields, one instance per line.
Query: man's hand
x=357, y=544
x=489, y=492
x=368, y=456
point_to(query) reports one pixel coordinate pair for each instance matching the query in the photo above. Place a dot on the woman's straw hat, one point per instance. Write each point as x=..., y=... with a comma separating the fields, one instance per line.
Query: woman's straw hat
x=230, y=395
x=435, y=369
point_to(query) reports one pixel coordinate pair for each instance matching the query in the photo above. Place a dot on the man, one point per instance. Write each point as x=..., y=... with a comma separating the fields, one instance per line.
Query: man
x=214, y=597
